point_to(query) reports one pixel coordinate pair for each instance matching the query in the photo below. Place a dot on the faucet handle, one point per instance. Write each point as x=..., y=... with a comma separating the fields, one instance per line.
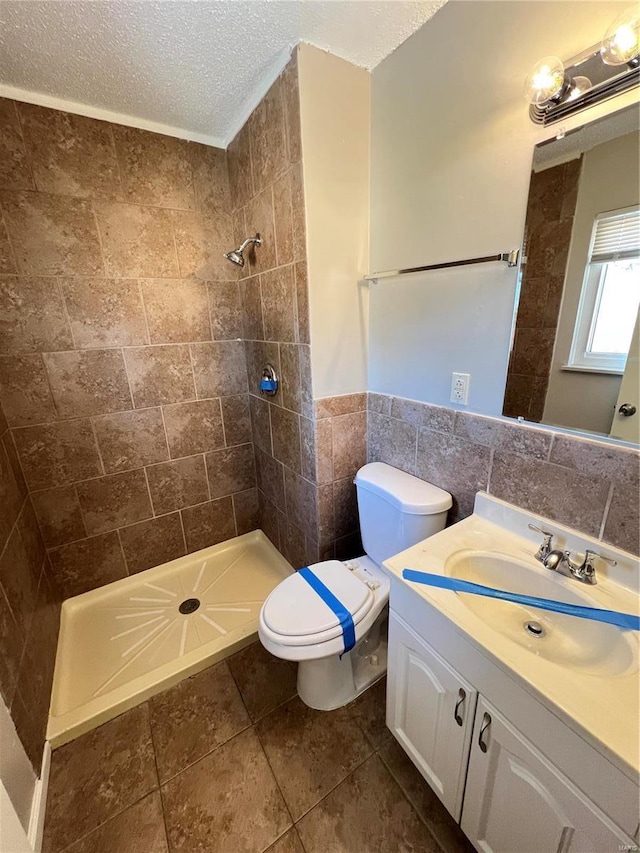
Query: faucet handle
x=590, y=555
x=545, y=547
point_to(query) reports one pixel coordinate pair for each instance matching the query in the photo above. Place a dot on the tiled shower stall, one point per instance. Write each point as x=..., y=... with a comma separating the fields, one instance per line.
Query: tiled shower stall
x=130, y=353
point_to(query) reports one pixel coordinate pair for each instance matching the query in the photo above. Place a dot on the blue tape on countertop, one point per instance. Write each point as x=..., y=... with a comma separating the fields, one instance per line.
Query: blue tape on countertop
x=612, y=617
x=346, y=621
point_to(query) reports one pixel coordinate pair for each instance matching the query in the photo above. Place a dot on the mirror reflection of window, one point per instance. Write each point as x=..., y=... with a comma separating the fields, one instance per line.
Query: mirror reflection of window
x=575, y=351
x=610, y=294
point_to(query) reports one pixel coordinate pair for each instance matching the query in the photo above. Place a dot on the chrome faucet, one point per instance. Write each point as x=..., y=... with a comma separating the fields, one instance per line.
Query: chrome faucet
x=560, y=561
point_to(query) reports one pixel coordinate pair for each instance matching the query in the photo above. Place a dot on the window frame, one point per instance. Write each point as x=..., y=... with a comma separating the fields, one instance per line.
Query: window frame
x=580, y=359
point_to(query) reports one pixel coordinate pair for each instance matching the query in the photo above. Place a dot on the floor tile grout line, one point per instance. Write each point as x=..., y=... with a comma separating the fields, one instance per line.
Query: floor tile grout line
x=155, y=760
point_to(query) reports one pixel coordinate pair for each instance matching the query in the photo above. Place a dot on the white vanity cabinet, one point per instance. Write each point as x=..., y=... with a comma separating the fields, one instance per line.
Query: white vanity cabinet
x=516, y=800
x=430, y=710
x=504, y=791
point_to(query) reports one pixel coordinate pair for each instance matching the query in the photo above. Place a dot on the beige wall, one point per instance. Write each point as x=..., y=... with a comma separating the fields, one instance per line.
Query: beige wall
x=335, y=115
x=451, y=152
x=610, y=180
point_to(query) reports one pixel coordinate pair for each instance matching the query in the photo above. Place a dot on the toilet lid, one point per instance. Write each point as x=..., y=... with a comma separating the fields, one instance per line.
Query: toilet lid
x=295, y=609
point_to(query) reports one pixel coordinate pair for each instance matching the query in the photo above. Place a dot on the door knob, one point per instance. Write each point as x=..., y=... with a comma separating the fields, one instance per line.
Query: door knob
x=627, y=410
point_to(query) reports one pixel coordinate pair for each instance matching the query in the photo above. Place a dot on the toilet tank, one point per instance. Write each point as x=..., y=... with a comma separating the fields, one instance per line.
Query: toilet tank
x=397, y=510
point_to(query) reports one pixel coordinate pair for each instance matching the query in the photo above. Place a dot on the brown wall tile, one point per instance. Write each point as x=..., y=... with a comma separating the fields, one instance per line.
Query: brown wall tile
x=302, y=303
x=131, y=439
x=178, y=484
x=104, y=312
x=11, y=648
x=52, y=234
x=114, y=501
x=70, y=154
x=201, y=241
x=155, y=169
x=559, y=493
x=291, y=97
x=251, y=302
x=153, y=542
x=32, y=316
x=208, y=524
x=8, y=263
x=231, y=470
x=345, y=507
x=219, y=369
x=247, y=511
x=266, y=128
x=19, y=580
x=91, y=382
x=24, y=386
x=283, y=220
x=210, y=178
x=239, y=160
x=379, y=403
x=177, y=310
x=285, y=429
x=621, y=526
x=329, y=407
x=59, y=516
x=160, y=374
x=193, y=427
x=278, y=304
x=86, y=564
x=55, y=454
x=259, y=219
x=619, y=464
x=349, y=444
x=13, y=489
x=137, y=242
x=301, y=500
x=392, y=441
x=15, y=169
x=270, y=477
x=236, y=419
x=260, y=423
x=225, y=309
x=455, y=465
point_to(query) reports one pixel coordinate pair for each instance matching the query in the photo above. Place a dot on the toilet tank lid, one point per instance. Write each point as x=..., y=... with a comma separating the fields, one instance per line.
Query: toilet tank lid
x=402, y=490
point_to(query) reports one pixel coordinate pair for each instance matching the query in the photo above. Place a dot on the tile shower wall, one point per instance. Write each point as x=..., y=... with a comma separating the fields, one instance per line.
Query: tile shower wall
x=590, y=485
x=550, y=212
x=122, y=375
x=29, y=607
x=306, y=497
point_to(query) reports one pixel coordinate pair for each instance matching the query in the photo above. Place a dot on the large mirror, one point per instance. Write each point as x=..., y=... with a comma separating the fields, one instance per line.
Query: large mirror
x=574, y=359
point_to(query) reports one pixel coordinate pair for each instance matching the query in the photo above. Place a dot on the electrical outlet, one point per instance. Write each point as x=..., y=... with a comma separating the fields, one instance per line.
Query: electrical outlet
x=460, y=388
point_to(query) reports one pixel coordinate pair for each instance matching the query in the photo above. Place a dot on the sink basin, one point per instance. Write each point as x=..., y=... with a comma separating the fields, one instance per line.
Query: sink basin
x=594, y=647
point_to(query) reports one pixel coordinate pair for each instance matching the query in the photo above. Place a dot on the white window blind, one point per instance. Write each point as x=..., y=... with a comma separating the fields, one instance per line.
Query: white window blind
x=616, y=237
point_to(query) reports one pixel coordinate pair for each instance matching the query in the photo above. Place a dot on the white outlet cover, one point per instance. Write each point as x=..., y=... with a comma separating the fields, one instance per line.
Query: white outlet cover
x=460, y=383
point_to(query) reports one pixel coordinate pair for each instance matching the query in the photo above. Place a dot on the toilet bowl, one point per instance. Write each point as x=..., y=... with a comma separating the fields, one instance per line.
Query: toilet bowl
x=331, y=617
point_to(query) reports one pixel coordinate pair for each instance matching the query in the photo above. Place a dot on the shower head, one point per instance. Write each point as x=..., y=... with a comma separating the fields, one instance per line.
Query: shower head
x=236, y=256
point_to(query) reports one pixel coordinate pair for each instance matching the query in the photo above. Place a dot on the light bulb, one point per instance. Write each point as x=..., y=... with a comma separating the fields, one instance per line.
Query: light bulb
x=579, y=85
x=546, y=81
x=621, y=42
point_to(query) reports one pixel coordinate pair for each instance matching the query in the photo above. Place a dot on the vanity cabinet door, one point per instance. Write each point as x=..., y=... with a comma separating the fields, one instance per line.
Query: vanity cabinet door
x=430, y=710
x=516, y=800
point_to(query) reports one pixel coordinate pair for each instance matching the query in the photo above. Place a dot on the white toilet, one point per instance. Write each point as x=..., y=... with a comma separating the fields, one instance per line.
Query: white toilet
x=314, y=615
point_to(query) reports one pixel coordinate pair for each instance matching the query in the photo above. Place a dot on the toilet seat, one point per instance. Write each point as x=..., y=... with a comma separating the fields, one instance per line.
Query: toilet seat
x=295, y=614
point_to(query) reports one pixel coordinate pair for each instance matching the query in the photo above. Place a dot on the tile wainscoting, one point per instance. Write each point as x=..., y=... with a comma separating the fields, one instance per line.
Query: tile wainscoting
x=582, y=482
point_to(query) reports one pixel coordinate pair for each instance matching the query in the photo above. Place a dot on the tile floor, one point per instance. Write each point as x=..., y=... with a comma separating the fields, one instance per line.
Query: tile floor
x=231, y=761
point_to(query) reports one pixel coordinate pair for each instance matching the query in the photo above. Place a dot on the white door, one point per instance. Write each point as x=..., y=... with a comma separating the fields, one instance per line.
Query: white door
x=516, y=800
x=430, y=710
x=628, y=427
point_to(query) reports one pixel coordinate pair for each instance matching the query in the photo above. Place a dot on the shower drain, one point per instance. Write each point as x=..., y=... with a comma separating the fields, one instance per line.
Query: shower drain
x=534, y=629
x=189, y=605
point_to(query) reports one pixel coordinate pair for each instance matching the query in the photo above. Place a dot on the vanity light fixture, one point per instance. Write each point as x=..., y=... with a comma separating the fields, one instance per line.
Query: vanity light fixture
x=556, y=90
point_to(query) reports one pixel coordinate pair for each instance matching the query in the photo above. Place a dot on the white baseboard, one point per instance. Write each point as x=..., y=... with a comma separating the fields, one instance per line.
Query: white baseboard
x=39, y=803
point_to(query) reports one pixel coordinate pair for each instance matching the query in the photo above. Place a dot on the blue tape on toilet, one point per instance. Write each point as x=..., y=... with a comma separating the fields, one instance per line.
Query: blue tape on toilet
x=346, y=622
x=612, y=617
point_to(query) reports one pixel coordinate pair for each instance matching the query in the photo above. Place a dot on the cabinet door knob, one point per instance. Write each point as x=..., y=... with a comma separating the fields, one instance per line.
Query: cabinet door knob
x=457, y=716
x=486, y=722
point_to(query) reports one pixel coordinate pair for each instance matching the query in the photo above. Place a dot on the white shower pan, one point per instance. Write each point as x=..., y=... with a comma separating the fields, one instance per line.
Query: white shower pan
x=126, y=641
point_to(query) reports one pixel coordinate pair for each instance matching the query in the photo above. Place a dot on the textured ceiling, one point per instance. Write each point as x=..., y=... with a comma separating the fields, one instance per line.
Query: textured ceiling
x=197, y=66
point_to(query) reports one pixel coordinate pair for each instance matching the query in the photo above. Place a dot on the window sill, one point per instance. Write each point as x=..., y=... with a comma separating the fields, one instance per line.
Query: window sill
x=578, y=368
